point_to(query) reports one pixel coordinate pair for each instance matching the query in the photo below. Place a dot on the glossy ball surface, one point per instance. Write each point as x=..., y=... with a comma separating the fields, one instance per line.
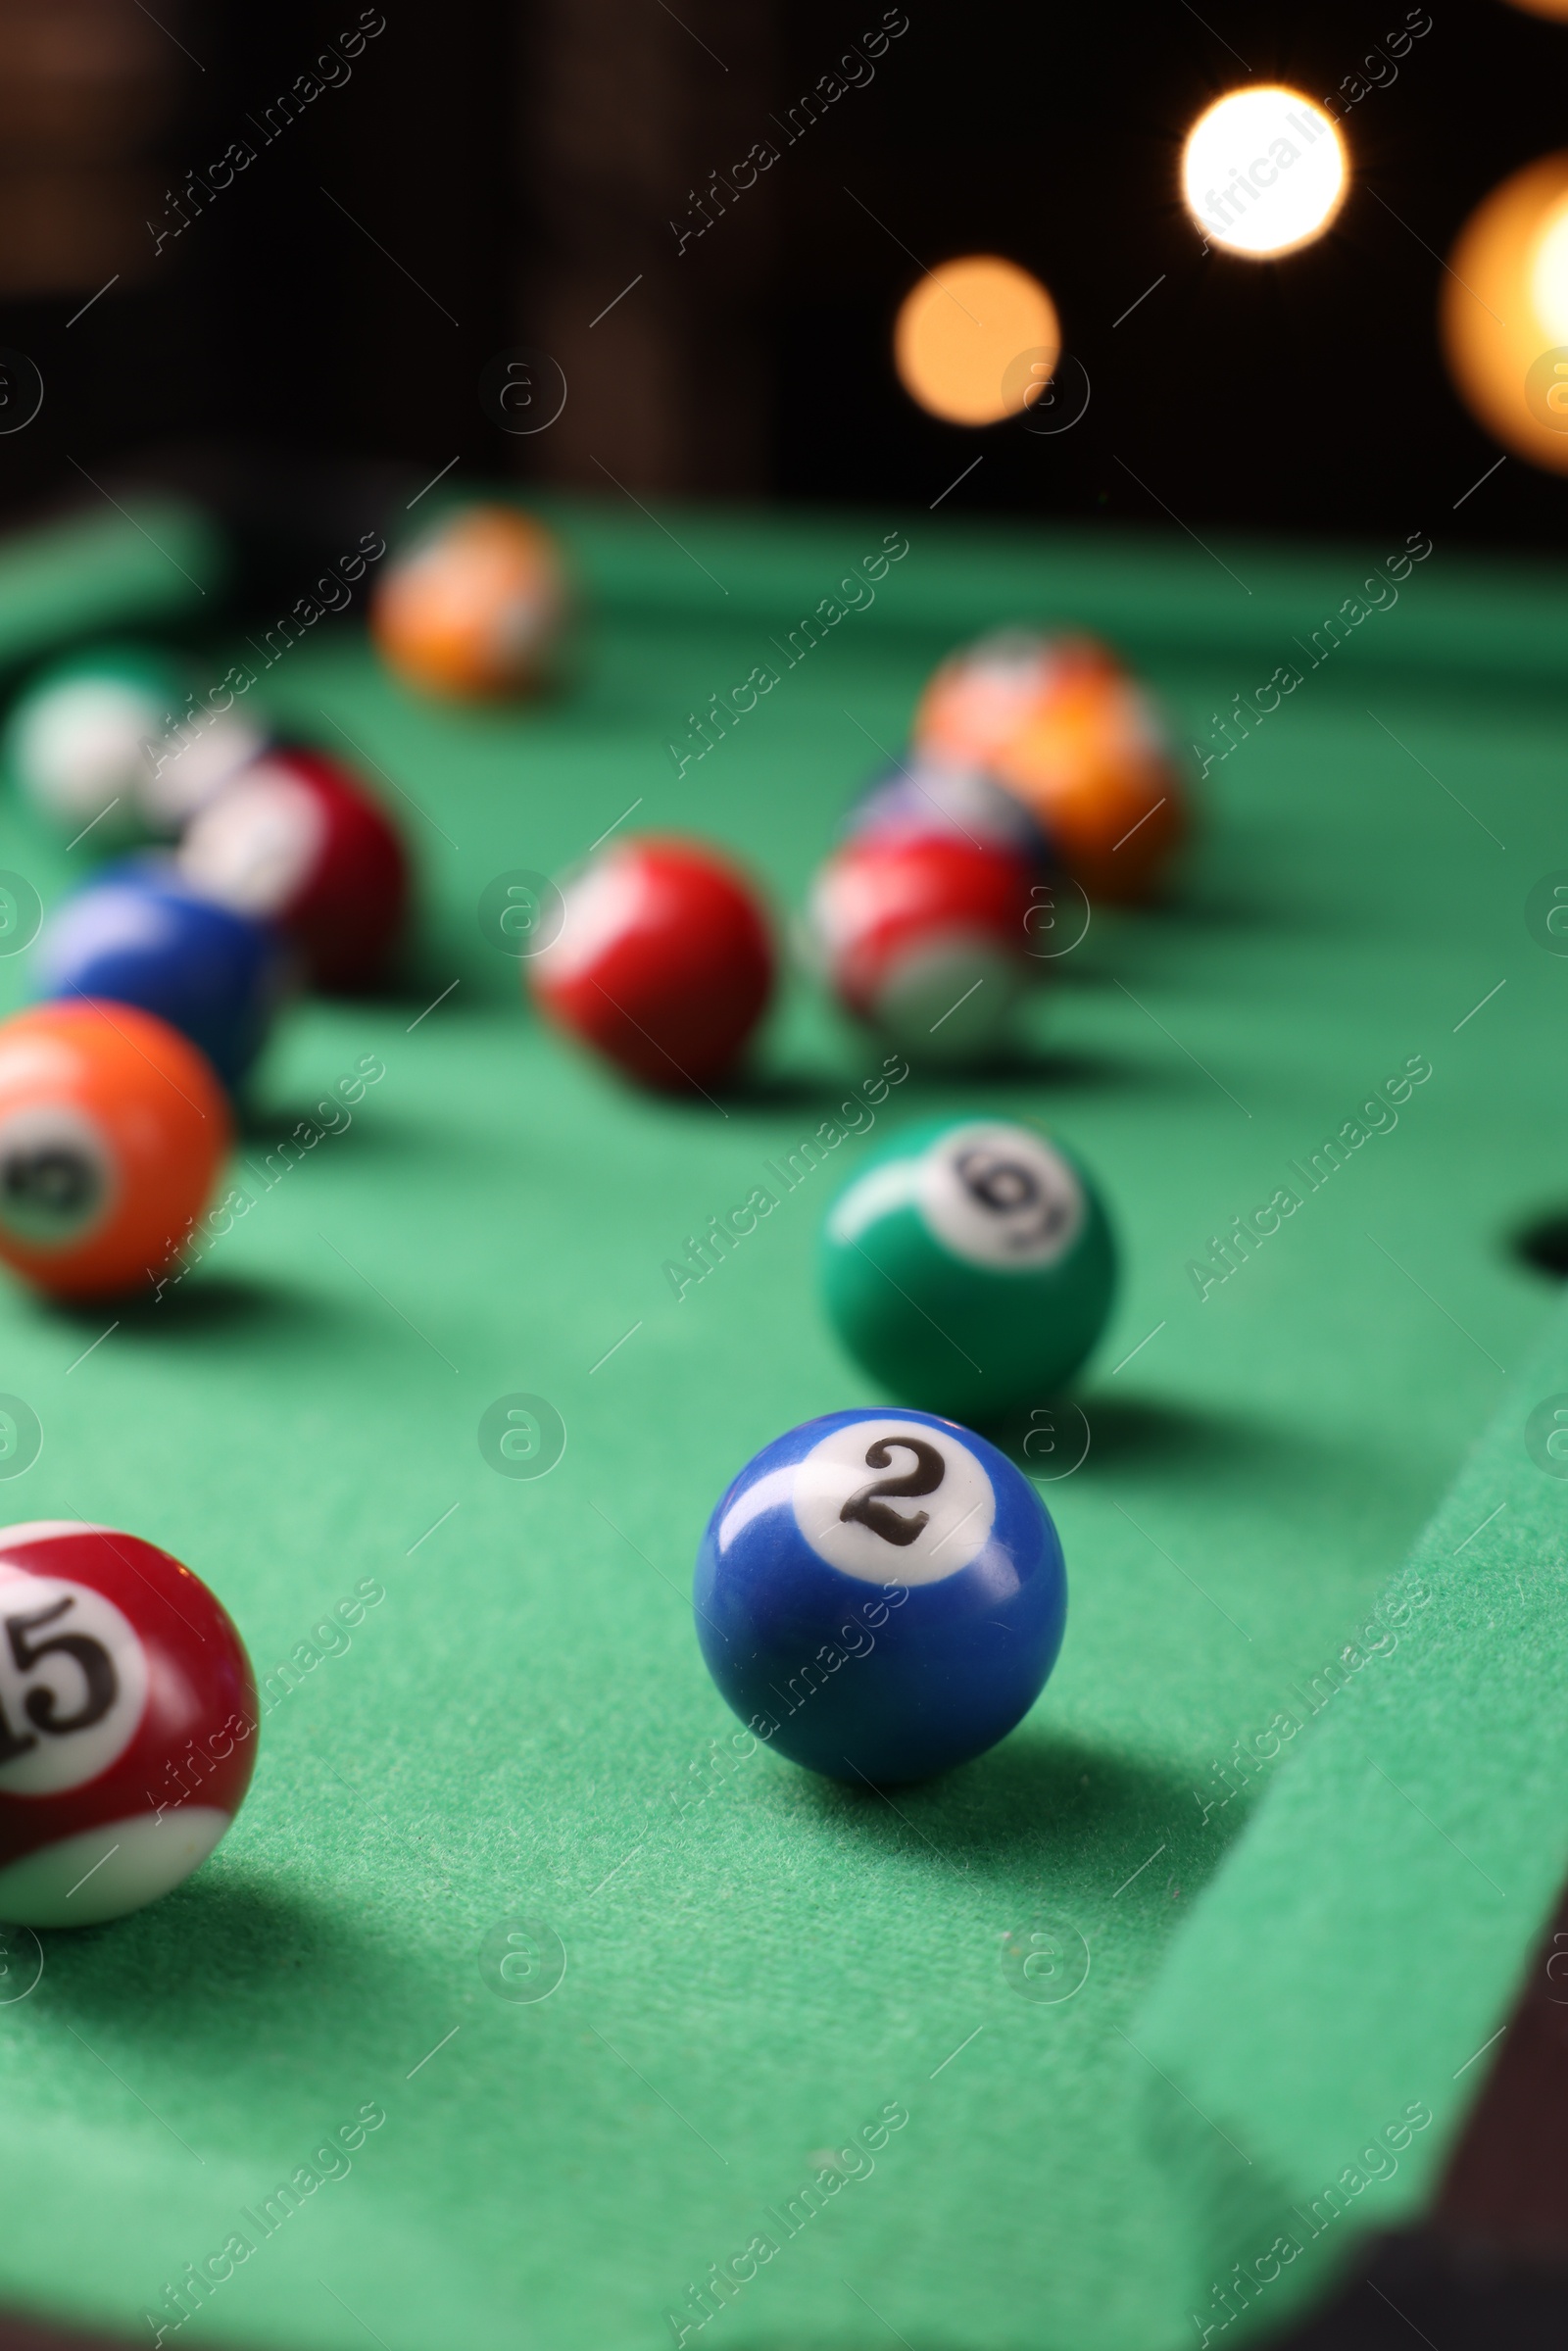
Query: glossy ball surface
x=975, y=701
x=926, y=938
x=663, y=963
x=192, y=765
x=297, y=842
x=880, y=1594
x=969, y=1266
x=80, y=740
x=127, y=1723
x=113, y=1129
x=474, y=607
x=1062, y=723
x=140, y=937
x=926, y=795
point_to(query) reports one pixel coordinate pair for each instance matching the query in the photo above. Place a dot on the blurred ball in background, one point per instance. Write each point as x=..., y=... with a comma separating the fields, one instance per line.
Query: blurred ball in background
x=474, y=607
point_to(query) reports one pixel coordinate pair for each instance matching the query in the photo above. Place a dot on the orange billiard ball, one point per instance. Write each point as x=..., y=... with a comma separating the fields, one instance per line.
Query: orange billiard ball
x=1064, y=725
x=112, y=1131
x=474, y=609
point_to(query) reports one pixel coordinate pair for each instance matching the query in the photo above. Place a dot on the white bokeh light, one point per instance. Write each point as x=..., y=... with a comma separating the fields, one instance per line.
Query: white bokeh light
x=1264, y=171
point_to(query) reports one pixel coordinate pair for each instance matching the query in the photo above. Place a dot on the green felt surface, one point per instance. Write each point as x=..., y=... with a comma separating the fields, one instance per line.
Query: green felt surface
x=1429, y=1794
x=126, y=568
x=756, y=1965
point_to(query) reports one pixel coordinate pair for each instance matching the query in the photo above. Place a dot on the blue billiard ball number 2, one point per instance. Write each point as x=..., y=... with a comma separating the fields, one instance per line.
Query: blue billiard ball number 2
x=880, y=1594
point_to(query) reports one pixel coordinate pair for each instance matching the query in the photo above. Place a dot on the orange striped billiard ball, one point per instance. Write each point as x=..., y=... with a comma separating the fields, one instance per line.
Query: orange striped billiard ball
x=1063, y=724
x=474, y=609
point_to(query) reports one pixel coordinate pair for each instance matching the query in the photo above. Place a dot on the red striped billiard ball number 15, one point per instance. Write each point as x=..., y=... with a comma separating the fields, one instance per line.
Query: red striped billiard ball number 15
x=127, y=1723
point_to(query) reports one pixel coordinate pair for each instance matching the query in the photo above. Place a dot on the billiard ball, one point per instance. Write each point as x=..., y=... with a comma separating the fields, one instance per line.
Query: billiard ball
x=127, y=1723
x=880, y=1594
x=925, y=794
x=926, y=937
x=193, y=763
x=113, y=1128
x=662, y=962
x=296, y=841
x=140, y=936
x=77, y=739
x=969, y=1266
x=1061, y=722
x=474, y=607
x=978, y=698
x=91, y=739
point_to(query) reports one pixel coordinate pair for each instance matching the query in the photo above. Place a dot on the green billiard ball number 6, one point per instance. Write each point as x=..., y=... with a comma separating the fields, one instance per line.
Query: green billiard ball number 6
x=969, y=1267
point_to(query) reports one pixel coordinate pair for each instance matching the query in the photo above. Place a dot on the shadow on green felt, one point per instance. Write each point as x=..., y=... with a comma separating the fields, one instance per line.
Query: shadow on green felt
x=264, y=1127
x=1543, y=1243
x=1070, y=1818
x=1126, y=1431
x=230, y=1961
x=1028, y=1063
x=423, y=971
x=930, y=1089
x=1148, y=1430
x=202, y=1301
x=1210, y=902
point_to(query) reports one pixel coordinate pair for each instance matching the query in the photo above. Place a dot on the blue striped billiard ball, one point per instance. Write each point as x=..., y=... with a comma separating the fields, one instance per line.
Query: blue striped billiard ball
x=921, y=795
x=880, y=1594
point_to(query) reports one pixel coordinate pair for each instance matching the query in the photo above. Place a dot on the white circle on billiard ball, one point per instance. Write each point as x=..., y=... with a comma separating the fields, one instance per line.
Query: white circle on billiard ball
x=894, y=1502
x=255, y=846
x=57, y=1175
x=193, y=763
x=1000, y=1196
x=73, y=1683
x=947, y=997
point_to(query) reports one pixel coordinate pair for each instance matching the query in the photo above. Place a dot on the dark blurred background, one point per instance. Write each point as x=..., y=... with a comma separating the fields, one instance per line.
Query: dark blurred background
x=430, y=187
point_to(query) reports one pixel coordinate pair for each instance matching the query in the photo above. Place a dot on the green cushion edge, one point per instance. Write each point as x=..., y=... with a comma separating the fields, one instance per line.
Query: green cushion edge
x=128, y=568
x=1366, y=1937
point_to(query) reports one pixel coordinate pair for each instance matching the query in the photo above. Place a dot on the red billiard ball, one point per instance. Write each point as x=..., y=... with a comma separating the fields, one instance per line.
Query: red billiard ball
x=662, y=962
x=127, y=1723
x=926, y=938
x=296, y=840
x=113, y=1128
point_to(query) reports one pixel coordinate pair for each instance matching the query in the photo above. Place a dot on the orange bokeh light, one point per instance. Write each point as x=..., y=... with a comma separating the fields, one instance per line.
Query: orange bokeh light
x=976, y=340
x=1505, y=313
